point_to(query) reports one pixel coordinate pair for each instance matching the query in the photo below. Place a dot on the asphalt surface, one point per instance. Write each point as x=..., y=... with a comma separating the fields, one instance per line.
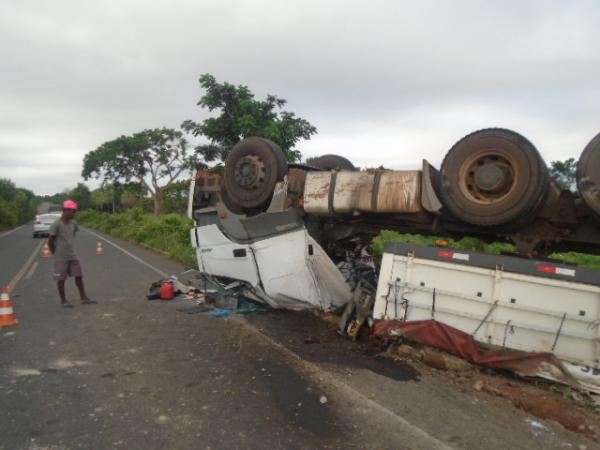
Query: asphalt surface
x=135, y=374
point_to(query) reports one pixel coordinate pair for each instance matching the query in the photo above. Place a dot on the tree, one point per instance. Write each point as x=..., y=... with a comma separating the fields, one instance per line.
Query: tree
x=176, y=197
x=17, y=205
x=154, y=158
x=82, y=195
x=103, y=198
x=564, y=172
x=240, y=115
x=132, y=194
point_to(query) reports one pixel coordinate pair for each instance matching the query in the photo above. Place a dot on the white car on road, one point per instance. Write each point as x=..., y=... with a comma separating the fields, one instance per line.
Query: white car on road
x=41, y=226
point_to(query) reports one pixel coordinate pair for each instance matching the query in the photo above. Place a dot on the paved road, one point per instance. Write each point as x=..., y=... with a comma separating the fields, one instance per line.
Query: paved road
x=132, y=374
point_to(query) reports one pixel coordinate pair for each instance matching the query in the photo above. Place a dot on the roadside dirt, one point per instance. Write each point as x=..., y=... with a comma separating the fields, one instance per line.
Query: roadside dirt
x=549, y=401
x=576, y=411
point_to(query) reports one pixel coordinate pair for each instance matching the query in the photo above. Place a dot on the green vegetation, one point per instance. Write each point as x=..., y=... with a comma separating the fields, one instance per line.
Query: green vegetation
x=148, y=163
x=474, y=244
x=466, y=243
x=581, y=259
x=17, y=205
x=153, y=158
x=241, y=115
x=564, y=172
x=169, y=233
x=82, y=195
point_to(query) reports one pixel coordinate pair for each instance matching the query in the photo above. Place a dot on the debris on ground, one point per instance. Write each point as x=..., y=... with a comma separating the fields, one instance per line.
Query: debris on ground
x=219, y=313
x=438, y=335
x=206, y=295
x=545, y=400
x=412, y=341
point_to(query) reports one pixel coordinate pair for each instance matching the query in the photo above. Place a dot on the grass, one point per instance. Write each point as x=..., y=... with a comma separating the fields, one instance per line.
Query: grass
x=169, y=233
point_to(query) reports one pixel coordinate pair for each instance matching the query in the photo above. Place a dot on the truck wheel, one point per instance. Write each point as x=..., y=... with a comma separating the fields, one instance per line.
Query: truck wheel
x=493, y=177
x=588, y=175
x=252, y=169
x=231, y=205
x=332, y=162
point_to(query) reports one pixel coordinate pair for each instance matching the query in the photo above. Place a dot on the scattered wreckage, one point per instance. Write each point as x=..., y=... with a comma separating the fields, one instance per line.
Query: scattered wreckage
x=299, y=236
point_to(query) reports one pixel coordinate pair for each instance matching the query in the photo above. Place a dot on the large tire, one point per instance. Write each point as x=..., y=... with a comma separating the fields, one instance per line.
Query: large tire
x=252, y=169
x=588, y=175
x=332, y=162
x=493, y=177
x=230, y=204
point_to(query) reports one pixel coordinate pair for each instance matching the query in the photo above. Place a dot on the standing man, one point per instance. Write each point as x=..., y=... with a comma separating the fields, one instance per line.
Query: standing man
x=61, y=243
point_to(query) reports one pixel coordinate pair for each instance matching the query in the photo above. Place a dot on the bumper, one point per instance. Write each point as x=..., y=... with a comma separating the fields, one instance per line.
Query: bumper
x=41, y=230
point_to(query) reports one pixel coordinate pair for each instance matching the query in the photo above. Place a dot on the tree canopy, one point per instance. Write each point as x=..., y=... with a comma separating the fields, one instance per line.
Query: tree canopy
x=153, y=157
x=82, y=195
x=17, y=205
x=241, y=115
x=564, y=172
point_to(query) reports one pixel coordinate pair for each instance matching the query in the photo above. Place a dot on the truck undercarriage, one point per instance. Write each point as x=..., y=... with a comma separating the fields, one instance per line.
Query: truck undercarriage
x=493, y=185
x=300, y=236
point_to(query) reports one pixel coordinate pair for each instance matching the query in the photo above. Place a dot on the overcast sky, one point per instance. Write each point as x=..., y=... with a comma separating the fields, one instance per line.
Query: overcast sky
x=385, y=82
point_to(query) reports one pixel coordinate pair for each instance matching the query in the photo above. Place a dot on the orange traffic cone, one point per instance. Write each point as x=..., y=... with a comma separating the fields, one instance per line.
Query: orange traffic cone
x=46, y=253
x=7, y=315
x=99, y=249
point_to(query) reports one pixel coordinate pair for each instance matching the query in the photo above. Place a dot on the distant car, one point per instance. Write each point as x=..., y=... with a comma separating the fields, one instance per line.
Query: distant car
x=41, y=226
x=54, y=209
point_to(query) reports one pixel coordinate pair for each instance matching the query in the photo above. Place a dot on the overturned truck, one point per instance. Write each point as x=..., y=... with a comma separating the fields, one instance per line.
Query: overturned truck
x=287, y=229
x=298, y=236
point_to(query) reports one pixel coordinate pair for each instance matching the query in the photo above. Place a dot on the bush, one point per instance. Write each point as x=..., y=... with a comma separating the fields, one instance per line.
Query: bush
x=474, y=244
x=466, y=243
x=17, y=205
x=169, y=233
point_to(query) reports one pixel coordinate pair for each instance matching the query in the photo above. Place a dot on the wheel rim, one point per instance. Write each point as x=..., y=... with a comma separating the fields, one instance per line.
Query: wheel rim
x=488, y=176
x=252, y=170
x=249, y=172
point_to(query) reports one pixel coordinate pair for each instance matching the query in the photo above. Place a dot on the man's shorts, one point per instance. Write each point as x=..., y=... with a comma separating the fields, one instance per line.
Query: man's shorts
x=64, y=269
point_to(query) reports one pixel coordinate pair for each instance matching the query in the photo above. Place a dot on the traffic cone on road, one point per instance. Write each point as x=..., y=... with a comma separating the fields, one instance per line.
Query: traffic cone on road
x=7, y=314
x=46, y=253
x=99, y=249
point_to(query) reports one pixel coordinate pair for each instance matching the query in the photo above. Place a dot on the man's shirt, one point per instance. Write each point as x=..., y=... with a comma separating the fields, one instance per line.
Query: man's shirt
x=64, y=243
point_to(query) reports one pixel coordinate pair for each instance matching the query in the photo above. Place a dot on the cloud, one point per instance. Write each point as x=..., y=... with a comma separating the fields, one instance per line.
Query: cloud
x=384, y=82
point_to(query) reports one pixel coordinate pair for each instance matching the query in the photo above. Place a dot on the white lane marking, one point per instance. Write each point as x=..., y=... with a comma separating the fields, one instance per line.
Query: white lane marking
x=11, y=231
x=409, y=429
x=31, y=270
x=118, y=247
x=21, y=272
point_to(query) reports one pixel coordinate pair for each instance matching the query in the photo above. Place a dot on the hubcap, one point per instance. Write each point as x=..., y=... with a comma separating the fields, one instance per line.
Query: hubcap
x=249, y=172
x=490, y=177
x=487, y=178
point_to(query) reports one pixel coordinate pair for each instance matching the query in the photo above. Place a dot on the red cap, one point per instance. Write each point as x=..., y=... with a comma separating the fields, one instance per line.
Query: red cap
x=70, y=204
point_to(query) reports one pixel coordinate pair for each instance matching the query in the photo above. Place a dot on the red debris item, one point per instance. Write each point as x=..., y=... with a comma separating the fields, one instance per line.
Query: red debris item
x=438, y=335
x=167, y=290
